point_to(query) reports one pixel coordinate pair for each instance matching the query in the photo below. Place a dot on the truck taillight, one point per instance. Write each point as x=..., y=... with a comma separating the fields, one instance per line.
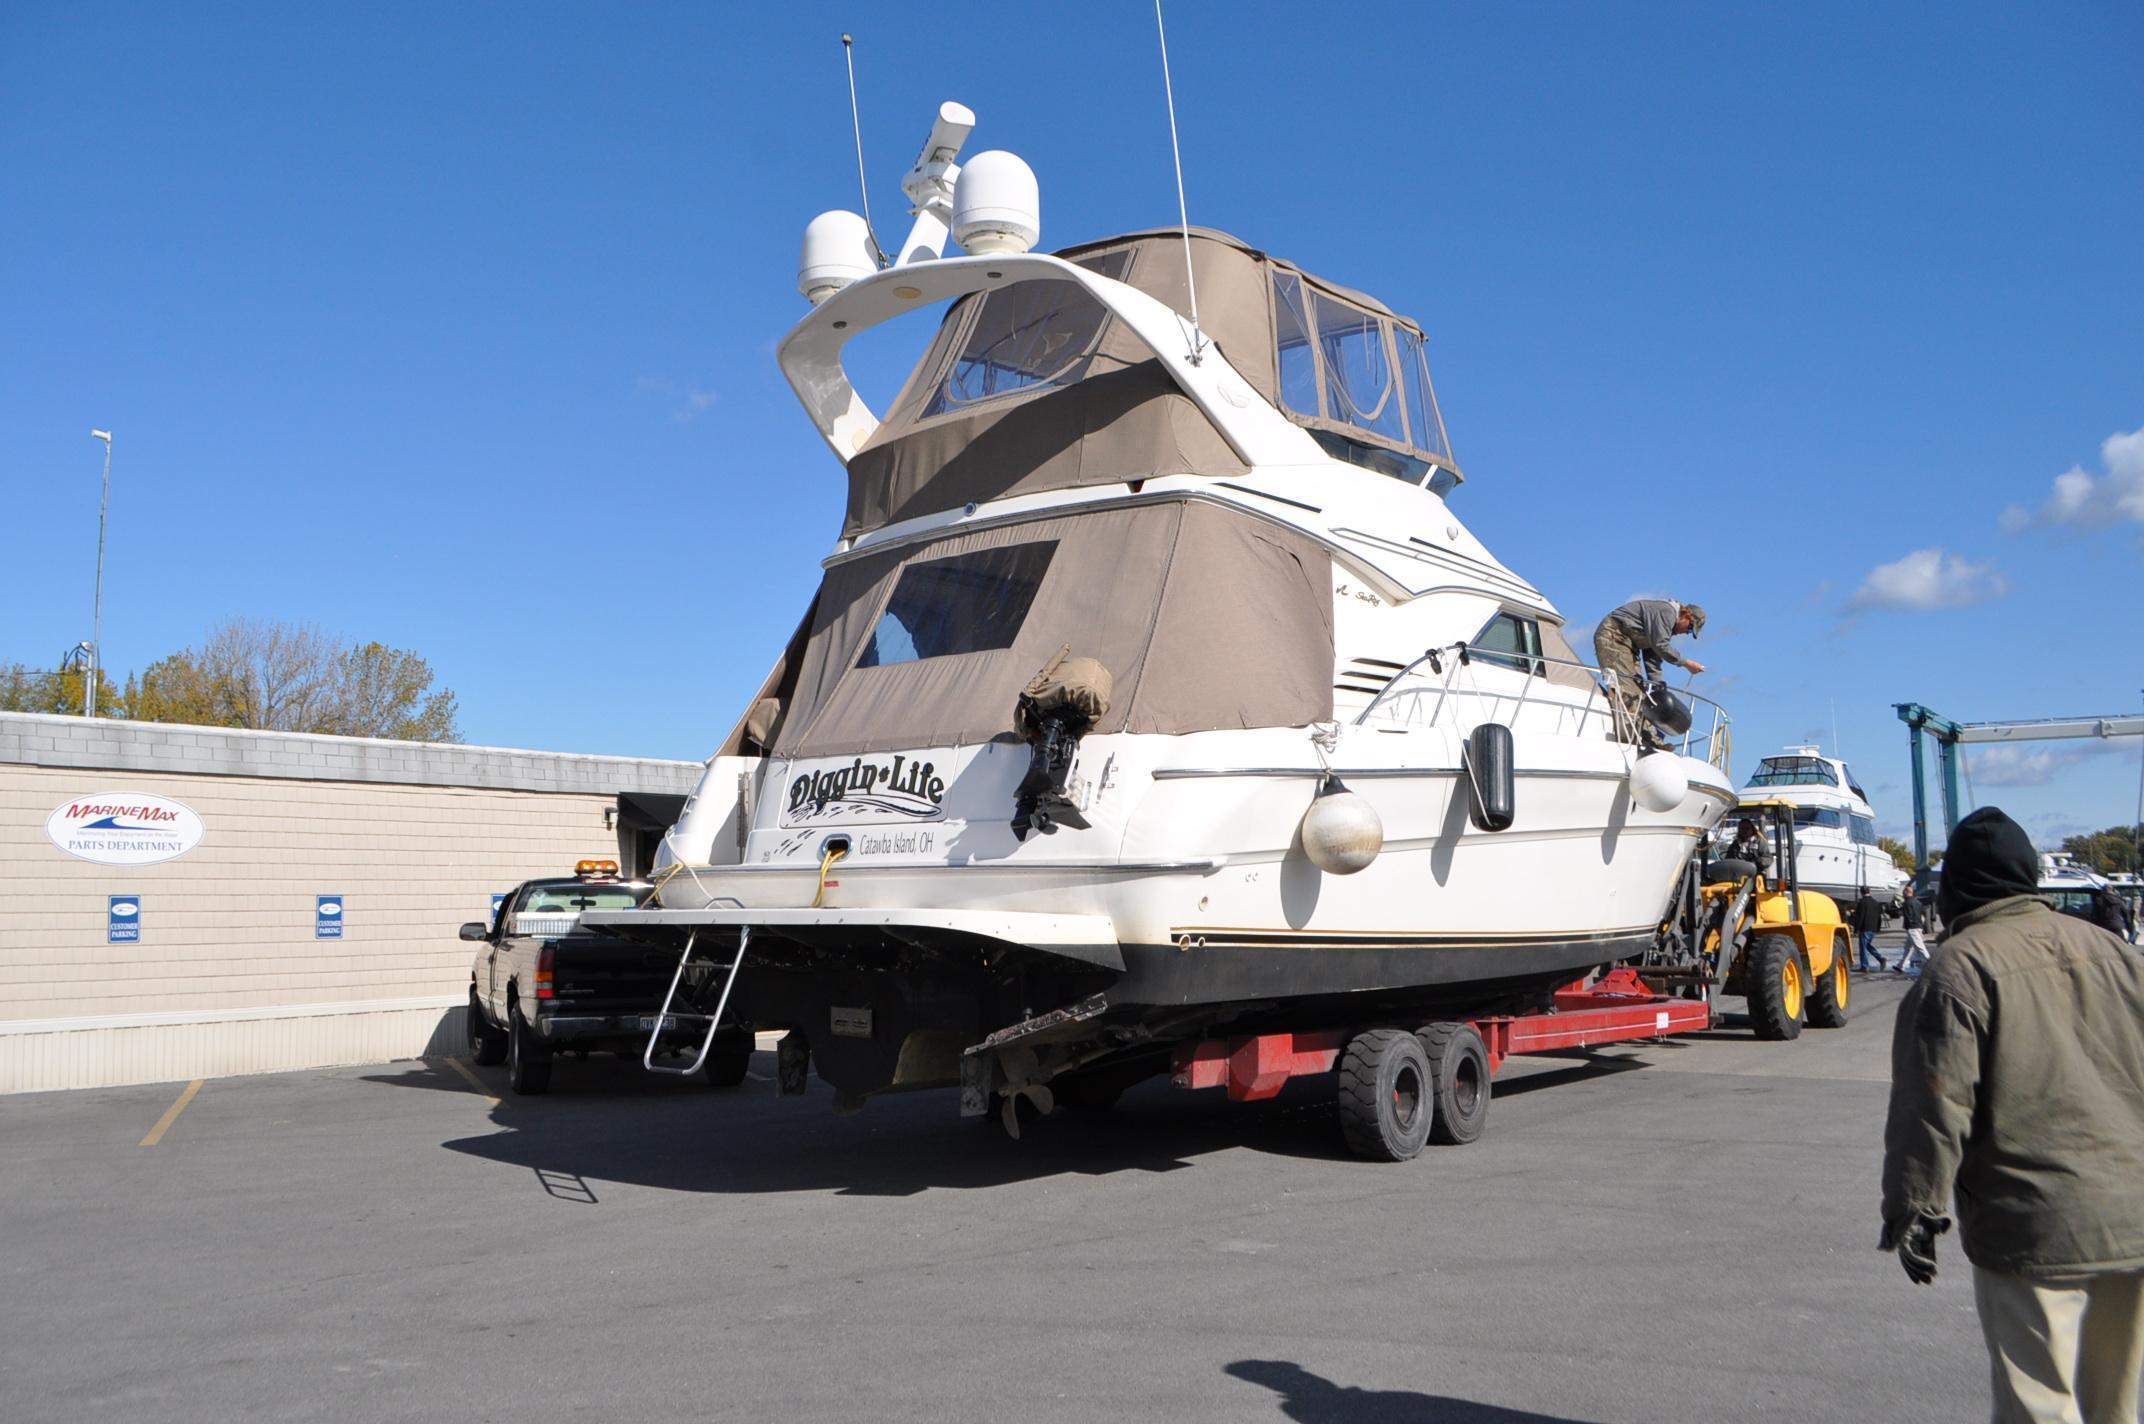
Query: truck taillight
x=546, y=964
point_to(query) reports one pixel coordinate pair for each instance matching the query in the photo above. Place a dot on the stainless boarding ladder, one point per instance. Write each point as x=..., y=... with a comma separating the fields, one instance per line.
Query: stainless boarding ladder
x=714, y=1020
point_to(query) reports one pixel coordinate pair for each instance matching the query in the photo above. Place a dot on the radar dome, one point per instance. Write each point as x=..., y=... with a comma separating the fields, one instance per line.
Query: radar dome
x=997, y=206
x=837, y=251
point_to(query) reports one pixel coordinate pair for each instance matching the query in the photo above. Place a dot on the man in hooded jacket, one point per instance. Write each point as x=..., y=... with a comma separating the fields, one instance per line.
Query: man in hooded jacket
x=2017, y=1084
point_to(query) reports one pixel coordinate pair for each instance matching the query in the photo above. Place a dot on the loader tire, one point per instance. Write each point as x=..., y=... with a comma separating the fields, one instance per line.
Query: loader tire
x=1827, y=1002
x=1385, y=1095
x=1776, y=986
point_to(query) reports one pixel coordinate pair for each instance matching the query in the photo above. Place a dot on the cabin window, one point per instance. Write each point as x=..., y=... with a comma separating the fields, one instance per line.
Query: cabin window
x=1864, y=830
x=1425, y=423
x=970, y=603
x=1034, y=335
x=1795, y=771
x=1511, y=640
x=1360, y=388
x=1292, y=340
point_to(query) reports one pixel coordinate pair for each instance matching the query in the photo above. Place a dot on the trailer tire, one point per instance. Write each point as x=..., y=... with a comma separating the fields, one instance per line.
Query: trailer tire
x=528, y=1064
x=1385, y=1095
x=1775, y=982
x=1459, y=1082
x=729, y=1060
x=1827, y=1002
x=487, y=1041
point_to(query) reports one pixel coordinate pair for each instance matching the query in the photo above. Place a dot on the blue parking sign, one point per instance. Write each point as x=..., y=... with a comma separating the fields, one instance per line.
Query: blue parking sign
x=123, y=920
x=327, y=917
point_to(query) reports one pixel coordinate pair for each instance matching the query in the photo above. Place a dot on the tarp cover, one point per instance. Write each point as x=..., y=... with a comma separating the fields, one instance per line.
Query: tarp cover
x=1205, y=618
x=1033, y=387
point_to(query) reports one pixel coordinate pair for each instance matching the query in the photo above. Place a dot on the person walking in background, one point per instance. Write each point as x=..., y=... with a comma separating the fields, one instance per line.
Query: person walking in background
x=2017, y=1086
x=1632, y=642
x=1868, y=919
x=1909, y=911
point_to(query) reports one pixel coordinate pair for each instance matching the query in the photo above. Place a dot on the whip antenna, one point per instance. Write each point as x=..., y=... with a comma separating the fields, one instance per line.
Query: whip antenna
x=863, y=184
x=1183, y=216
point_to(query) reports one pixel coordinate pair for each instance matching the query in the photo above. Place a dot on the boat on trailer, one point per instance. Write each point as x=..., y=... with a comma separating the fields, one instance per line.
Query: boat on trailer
x=1153, y=694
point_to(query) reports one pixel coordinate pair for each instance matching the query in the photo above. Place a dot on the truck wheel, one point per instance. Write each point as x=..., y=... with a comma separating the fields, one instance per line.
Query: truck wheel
x=1827, y=1002
x=1459, y=1082
x=1385, y=1092
x=1773, y=984
x=487, y=1042
x=729, y=1060
x=528, y=1063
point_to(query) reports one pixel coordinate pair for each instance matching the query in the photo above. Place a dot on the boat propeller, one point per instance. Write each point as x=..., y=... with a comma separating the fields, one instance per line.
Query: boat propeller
x=1022, y=1081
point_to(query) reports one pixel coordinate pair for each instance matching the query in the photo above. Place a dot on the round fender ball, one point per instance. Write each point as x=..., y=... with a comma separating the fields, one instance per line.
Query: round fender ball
x=1341, y=831
x=1658, y=782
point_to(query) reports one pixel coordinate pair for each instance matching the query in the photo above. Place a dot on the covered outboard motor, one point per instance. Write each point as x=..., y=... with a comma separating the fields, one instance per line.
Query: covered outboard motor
x=1067, y=697
x=1492, y=777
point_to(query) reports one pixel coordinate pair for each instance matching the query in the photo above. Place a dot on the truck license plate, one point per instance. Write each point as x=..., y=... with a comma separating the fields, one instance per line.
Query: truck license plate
x=647, y=1022
x=852, y=1023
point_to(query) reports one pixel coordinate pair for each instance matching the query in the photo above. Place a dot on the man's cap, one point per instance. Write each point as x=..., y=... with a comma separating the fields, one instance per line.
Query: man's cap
x=1697, y=617
x=1990, y=858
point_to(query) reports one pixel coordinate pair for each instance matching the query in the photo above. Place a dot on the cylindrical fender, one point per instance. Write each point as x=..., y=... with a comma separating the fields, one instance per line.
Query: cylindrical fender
x=1492, y=777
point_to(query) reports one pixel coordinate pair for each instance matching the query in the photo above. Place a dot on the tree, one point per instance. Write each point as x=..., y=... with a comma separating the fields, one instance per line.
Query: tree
x=1901, y=854
x=2107, y=852
x=387, y=692
x=285, y=677
x=24, y=689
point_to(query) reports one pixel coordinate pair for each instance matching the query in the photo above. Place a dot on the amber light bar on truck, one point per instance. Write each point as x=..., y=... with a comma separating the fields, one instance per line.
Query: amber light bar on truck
x=592, y=869
x=546, y=972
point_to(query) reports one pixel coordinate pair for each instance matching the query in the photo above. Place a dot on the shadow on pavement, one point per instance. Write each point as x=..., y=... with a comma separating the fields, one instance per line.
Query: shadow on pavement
x=1312, y=1399
x=608, y=1121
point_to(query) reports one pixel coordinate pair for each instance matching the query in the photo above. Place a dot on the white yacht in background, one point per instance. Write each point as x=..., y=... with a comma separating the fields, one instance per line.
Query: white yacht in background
x=1153, y=685
x=2068, y=884
x=1834, y=826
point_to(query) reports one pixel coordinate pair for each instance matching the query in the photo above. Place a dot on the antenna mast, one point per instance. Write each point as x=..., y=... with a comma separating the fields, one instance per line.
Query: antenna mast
x=1183, y=216
x=863, y=184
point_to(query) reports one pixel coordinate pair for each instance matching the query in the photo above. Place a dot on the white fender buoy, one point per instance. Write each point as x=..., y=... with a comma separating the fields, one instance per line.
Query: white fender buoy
x=1341, y=831
x=1658, y=782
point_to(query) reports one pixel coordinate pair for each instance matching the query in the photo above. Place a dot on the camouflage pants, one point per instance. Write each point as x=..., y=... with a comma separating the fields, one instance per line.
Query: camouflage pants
x=1615, y=652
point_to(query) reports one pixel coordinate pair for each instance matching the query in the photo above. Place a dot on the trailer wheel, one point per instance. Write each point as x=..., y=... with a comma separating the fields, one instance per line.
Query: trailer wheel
x=528, y=1066
x=1772, y=980
x=1827, y=1003
x=729, y=1060
x=1459, y=1082
x=487, y=1042
x=1385, y=1095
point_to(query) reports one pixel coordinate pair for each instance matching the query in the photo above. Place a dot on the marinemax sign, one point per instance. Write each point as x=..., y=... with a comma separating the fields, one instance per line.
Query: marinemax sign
x=124, y=828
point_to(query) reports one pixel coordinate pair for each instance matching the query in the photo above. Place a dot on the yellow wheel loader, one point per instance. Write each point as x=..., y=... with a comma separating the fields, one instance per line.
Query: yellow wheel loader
x=1744, y=931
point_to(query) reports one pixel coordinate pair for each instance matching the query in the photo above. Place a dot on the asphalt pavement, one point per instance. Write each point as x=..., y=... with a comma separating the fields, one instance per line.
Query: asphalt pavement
x=1661, y=1233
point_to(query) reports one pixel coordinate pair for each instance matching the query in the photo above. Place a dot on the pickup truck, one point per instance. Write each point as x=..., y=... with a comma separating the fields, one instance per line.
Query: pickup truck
x=539, y=986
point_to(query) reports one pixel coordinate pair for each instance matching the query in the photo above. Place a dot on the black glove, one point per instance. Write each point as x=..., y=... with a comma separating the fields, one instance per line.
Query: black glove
x=1914, y=1239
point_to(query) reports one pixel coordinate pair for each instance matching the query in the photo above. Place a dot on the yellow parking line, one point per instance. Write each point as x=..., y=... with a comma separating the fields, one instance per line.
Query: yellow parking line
x=171, y=1115
x=475, y=1082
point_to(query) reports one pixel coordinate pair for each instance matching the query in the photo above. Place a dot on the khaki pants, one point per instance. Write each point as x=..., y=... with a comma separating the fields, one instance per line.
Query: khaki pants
x=1615, y=652
x=2063, y=1351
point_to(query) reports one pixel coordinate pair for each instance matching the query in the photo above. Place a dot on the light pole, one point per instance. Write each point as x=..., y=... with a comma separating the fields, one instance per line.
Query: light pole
x=96, y=626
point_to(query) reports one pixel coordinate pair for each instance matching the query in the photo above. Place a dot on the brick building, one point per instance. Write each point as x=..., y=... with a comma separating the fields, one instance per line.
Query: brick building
x=182, y=902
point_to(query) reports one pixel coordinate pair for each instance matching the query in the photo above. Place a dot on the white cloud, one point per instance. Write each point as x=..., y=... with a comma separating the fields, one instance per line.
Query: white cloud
x=2010, y=764
x=2090, y=501
x=1928, y=578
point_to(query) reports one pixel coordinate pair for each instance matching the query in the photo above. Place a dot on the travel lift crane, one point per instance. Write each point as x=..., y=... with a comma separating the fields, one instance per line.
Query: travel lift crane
x=1949, y=735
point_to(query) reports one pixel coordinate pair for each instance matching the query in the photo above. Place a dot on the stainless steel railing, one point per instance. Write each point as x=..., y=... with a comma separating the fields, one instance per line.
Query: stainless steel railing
x=1451, y=681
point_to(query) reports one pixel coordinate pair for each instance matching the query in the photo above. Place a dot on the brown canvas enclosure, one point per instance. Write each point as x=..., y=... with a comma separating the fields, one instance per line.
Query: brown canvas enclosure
x=1205, y=618
x=1034, y=386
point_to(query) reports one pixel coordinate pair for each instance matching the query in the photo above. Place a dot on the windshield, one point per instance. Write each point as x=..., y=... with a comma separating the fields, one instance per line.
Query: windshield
x=1794, y=771
x=578, y=898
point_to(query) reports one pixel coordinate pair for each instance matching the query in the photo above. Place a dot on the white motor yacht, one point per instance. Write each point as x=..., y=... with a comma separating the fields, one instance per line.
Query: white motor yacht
x=1153, y=685
x=1834, y=826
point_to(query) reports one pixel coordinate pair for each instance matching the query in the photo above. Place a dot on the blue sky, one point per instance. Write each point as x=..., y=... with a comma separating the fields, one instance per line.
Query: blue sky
x=453, y=326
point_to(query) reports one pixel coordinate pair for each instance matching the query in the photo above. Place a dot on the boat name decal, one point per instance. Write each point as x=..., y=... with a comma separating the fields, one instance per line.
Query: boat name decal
x=899, y=787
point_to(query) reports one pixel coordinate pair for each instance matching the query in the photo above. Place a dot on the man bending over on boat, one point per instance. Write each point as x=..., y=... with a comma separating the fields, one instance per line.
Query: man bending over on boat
x=2017, y=1088
x=1636, y=636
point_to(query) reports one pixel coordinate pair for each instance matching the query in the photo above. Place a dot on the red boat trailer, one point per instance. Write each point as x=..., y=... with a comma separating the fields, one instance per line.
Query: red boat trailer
x=1452, y=1073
